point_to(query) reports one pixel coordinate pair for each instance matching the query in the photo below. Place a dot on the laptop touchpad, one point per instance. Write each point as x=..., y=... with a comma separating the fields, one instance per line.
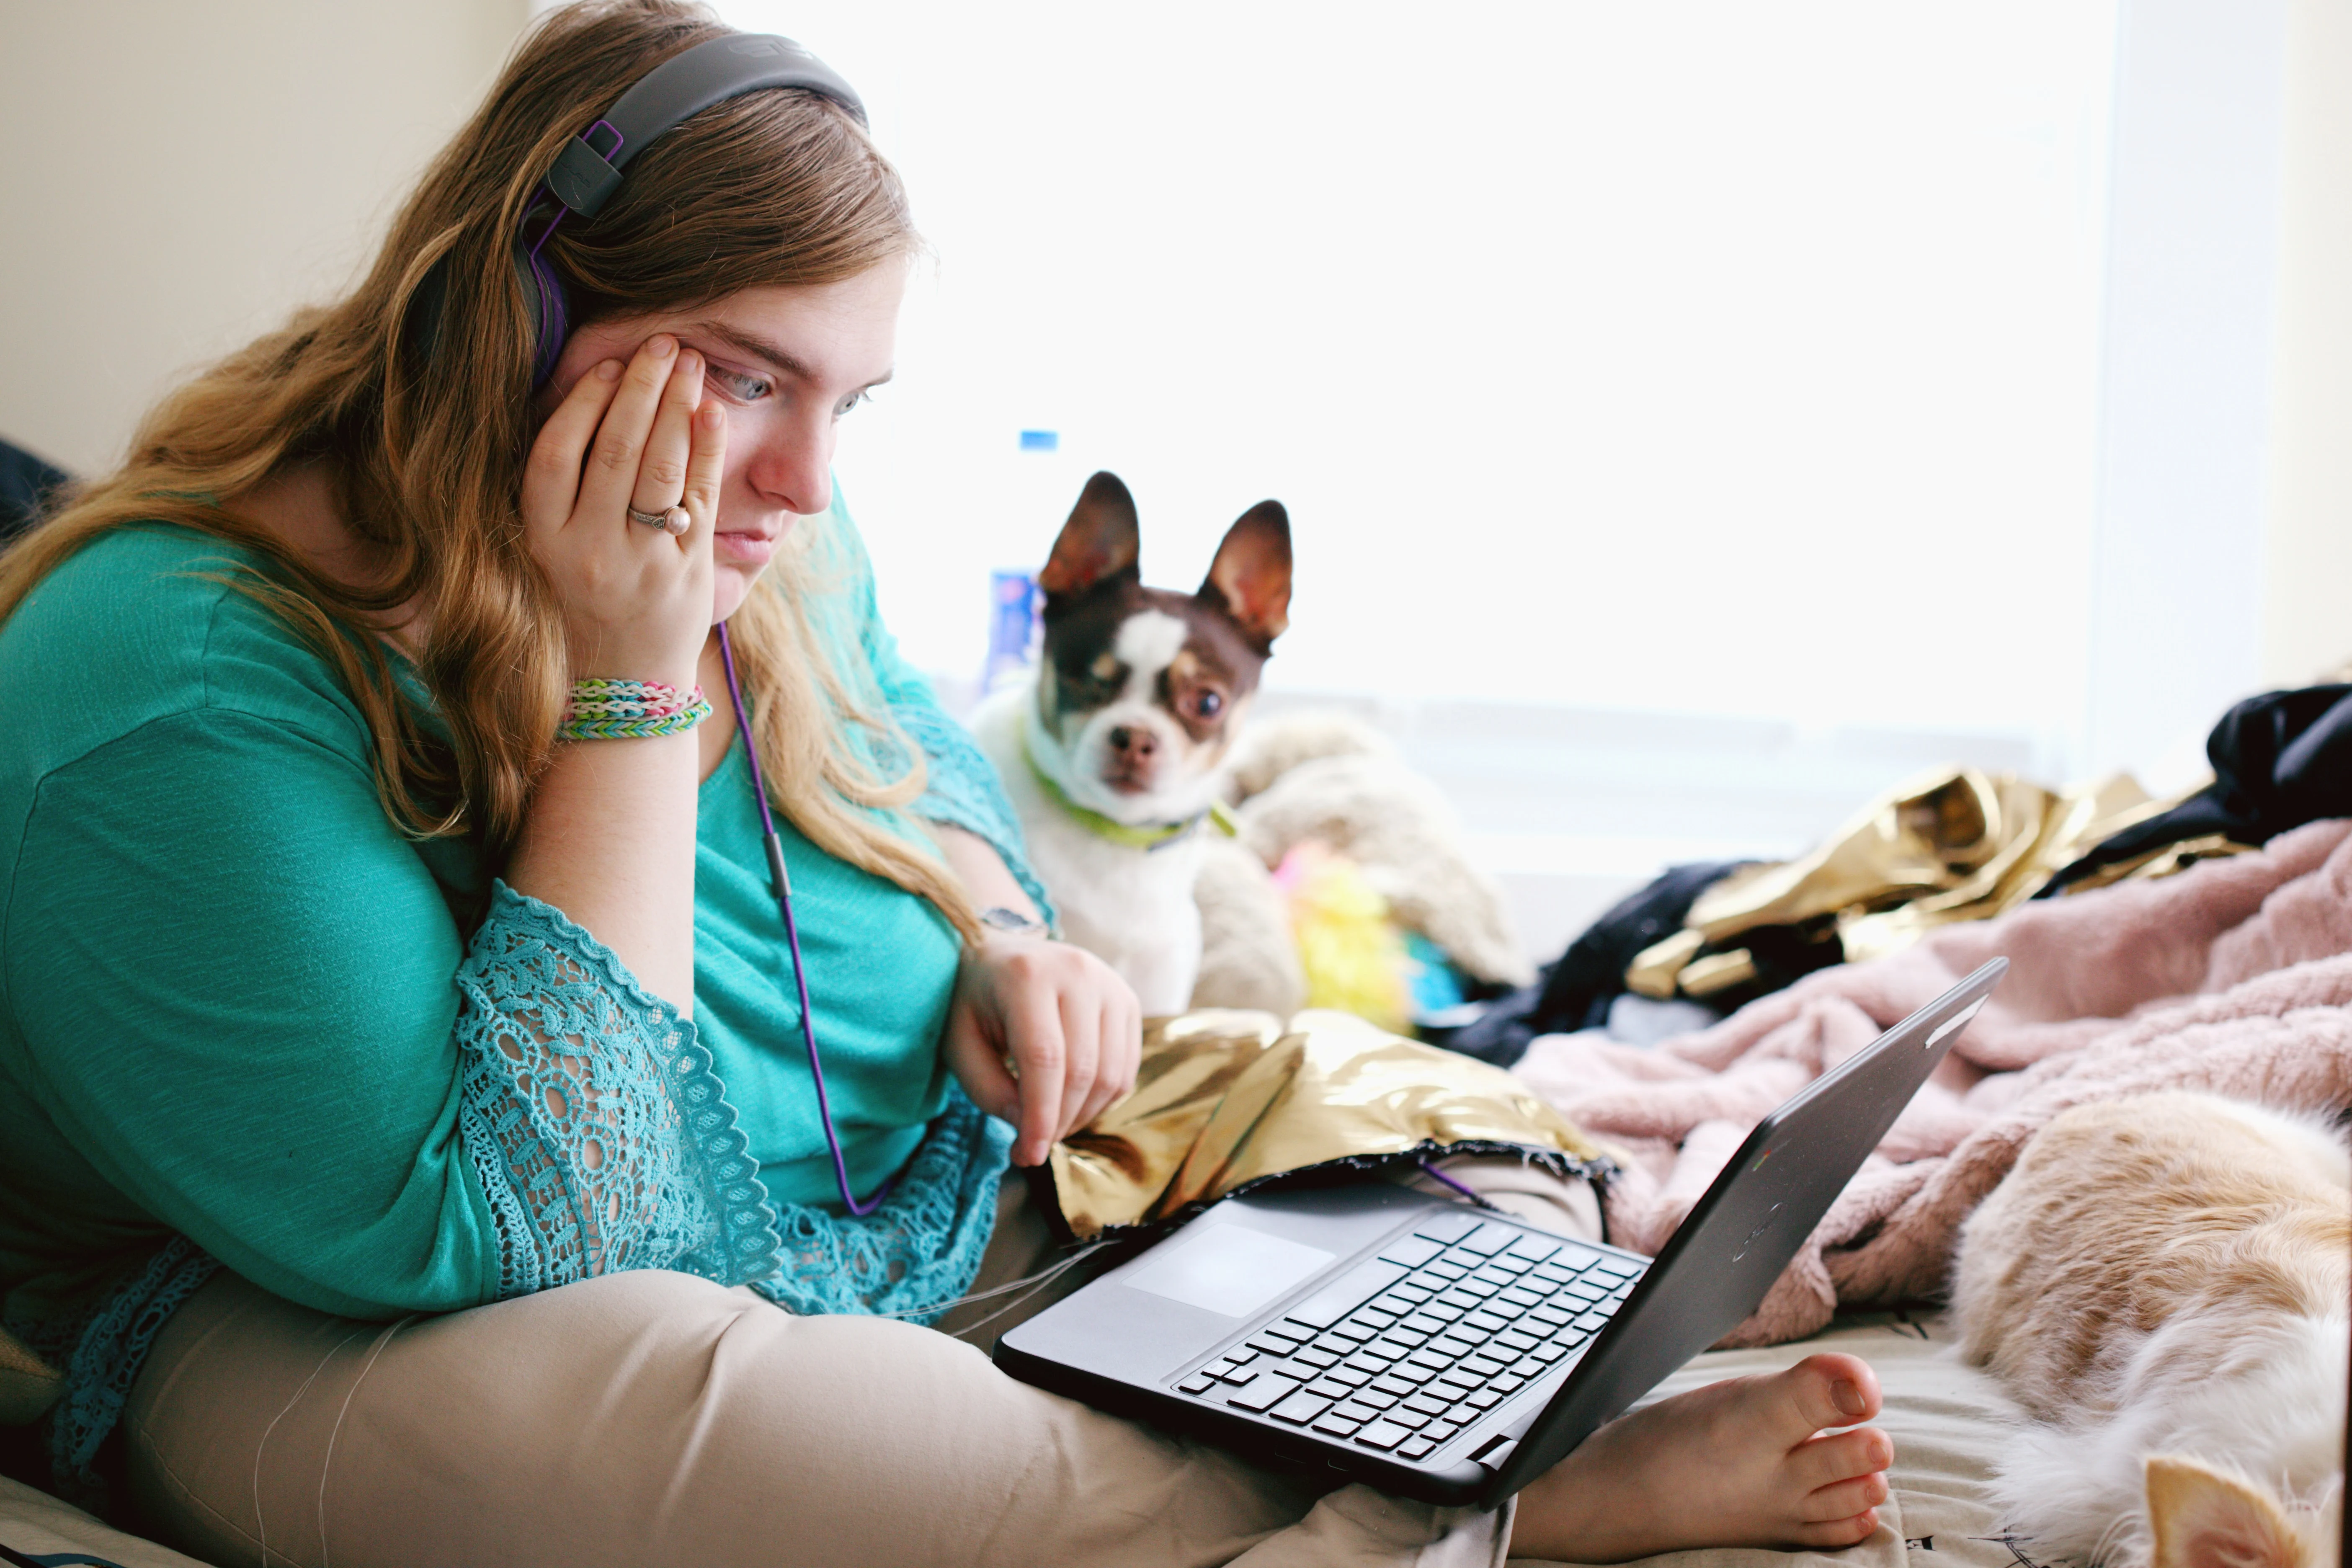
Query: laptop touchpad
x=1228, y=1268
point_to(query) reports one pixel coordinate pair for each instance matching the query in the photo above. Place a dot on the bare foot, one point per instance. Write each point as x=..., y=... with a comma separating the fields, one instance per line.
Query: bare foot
x=1733, y=1464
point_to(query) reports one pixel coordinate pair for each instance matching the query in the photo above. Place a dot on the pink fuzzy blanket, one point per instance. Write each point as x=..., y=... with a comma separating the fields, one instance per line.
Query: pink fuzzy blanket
x=2234, y=977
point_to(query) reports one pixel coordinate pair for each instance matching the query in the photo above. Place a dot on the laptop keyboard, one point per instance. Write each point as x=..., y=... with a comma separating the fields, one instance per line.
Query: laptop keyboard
x=1402, y=1351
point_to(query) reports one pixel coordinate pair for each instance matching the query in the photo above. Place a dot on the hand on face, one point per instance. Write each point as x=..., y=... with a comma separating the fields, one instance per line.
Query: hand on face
x=1071, y=1028
x=782, y=365
x=636, y=600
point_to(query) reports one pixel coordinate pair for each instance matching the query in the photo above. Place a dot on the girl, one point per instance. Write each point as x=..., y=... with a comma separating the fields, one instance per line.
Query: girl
x=407, y=1148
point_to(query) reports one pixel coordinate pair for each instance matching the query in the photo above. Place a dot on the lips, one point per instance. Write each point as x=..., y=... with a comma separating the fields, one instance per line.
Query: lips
x=744, y=549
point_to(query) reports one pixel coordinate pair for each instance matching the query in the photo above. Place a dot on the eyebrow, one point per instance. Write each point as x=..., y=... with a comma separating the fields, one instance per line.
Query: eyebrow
x=776, y=355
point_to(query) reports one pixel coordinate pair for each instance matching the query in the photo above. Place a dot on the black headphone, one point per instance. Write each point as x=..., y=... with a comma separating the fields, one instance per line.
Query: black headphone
x=588, y=170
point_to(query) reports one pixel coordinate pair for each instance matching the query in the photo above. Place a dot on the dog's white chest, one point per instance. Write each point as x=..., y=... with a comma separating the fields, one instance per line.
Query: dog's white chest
x=1131, y=907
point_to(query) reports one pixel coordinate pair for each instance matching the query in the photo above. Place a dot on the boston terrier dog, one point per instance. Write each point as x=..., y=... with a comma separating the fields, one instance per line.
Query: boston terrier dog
x=1113, y=750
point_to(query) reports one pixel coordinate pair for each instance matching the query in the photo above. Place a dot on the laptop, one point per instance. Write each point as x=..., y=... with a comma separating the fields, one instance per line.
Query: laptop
x=1449, y=1352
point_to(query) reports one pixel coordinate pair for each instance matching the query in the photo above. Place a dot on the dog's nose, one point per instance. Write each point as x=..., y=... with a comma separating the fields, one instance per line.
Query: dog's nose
x=1133, y=745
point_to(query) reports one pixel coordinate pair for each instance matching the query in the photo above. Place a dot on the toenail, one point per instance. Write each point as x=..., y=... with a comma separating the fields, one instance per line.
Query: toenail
x=1847, y=1396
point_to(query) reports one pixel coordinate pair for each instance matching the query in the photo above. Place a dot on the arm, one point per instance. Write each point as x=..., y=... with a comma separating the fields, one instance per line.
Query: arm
x=609, y=836
x=232, y=980
x=984, y=872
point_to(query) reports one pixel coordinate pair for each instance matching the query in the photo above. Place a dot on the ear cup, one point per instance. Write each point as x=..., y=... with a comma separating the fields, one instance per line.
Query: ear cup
x=544, y=308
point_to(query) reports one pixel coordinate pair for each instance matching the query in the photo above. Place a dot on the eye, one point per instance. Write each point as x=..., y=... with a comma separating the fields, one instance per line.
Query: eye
x=1208, y=704
x=742, y=386
x=851, y=401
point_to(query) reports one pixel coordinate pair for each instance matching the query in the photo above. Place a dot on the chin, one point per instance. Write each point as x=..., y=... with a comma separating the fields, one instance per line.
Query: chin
x=729, y=588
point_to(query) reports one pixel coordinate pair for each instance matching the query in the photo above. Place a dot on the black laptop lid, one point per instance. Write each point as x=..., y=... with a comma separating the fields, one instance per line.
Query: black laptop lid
x=1717, y=1267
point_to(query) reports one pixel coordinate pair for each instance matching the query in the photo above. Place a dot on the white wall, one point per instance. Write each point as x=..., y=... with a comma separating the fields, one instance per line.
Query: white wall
x=1697, y=354
x=179, y=176
x=231, y=160
x=2307, y=566
x=2193, y=261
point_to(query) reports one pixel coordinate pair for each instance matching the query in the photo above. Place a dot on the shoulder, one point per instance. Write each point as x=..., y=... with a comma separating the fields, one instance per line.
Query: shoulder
x=145, y=623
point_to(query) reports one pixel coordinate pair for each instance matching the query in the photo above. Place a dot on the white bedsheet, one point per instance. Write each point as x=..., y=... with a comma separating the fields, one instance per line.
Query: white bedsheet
x=1947, y=1420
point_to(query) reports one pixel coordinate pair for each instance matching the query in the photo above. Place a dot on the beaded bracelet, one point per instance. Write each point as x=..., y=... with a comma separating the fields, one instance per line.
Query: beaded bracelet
x=603, y=709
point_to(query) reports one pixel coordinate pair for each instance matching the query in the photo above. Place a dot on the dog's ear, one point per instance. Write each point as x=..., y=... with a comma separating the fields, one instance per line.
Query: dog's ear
x=1099, y=542
x=1250, y=578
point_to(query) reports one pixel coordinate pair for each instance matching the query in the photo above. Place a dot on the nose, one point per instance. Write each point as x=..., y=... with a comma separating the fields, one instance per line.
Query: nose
x=1133, y=745
x=791, y=467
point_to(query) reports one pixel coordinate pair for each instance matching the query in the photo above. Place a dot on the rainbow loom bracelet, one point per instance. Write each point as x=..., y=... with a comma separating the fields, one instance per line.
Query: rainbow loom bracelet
x=629, y=699
x=603, y=709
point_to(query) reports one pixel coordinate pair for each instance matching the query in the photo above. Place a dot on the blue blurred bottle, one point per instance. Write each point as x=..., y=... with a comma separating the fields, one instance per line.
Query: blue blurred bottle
x=1015, y=628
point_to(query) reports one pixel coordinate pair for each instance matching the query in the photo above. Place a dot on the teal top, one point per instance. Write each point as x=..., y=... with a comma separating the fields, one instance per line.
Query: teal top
x=243, y=1018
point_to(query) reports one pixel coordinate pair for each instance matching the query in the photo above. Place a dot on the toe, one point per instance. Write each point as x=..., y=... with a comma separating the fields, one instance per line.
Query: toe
x=1846, y=1500
x=1831, y=1534
x=1827, y=1389
x=1825, y=1461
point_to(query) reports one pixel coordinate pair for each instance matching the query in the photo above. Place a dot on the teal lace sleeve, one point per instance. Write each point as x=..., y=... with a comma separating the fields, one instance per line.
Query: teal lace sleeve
x=592, y=1118
x=604, y=1142
x=913, y=1257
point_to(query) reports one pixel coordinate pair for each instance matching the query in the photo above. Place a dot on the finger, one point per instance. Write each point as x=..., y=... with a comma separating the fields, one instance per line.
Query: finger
x=612, y=471
x=1082, y=1033
x=551, y=480
x=980, y=1066
x=661, y=472
x=1105, y=1087
x=1098, y=1093
x=1118, y=1048
x=1130, y=1037
x=705, y=469
x=1034, y=1024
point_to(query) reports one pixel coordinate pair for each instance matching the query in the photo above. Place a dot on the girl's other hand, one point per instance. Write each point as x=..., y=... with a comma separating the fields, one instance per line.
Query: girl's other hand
x=1043, y=1035
x=636, y=601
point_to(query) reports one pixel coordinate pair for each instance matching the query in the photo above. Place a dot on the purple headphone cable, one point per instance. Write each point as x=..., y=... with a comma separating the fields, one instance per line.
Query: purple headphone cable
x=784, y=886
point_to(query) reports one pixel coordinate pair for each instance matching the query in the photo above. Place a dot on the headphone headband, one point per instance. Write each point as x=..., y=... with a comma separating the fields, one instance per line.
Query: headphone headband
x=586, y=174
x=584, y=177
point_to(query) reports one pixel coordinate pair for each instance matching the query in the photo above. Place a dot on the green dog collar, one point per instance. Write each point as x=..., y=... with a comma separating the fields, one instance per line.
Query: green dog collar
x=1158, y=836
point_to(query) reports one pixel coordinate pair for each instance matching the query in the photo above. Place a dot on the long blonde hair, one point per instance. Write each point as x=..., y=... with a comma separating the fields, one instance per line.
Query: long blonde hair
x=417, y=401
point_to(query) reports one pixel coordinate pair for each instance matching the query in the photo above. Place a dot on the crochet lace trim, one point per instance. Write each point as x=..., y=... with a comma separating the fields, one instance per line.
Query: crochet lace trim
x=601, y=1136
x=913, y=1257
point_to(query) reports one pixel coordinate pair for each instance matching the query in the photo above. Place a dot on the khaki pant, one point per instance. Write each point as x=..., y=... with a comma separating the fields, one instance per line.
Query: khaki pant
x=652, y=1420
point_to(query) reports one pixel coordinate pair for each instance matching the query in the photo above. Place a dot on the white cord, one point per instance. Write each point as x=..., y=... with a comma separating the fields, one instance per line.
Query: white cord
x=326, y=1463
x=1041, y=1277
x=260, y=1523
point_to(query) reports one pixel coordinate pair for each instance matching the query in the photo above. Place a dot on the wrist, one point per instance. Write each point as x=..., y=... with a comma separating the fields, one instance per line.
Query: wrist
x=630, y=654
x=1015, y=923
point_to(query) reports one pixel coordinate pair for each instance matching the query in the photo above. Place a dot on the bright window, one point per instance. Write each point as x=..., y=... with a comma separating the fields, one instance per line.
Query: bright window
x=1708, y=356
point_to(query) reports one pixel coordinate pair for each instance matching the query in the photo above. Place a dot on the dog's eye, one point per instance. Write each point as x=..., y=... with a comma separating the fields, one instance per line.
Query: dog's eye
x=1208, y=704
